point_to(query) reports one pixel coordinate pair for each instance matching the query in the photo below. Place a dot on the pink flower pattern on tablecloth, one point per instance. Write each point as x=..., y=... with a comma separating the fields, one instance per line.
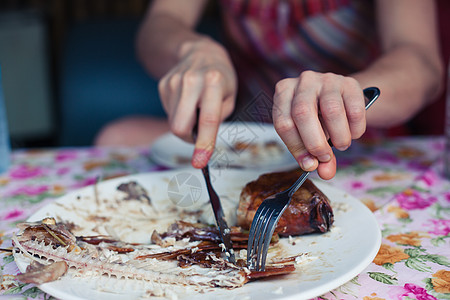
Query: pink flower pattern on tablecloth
x=25, y=172
x=430, y=178
x=447, y=197
x=66, y=155
x=411, y=291
x=85, y=182
x=63, y=171
x=357, y=185
x=439, y=227
x=29, y=190
x=412, y=199
x=13, y=215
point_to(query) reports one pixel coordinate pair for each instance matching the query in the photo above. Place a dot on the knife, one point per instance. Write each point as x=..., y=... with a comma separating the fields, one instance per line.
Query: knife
x=224, y=230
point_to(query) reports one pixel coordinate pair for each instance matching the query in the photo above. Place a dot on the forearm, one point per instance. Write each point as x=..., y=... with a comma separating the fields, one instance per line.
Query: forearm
x=409, y=72
x=409, y=79
x=163, y=33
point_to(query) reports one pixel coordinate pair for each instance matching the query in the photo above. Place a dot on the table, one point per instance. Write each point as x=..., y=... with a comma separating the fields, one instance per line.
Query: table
x=399, y=179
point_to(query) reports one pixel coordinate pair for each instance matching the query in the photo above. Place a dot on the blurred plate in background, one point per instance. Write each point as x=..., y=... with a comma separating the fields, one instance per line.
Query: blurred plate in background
x=239, y=145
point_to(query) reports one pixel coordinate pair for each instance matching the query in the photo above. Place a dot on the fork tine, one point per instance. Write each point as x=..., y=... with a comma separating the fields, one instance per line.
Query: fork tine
x=268, y=237
x=258, y=232
x=257, y=219
x=261, y=236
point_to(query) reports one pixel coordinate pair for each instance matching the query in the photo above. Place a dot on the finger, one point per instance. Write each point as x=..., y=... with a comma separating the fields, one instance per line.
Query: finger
x=285, y=125
x=184, y=116
x=305, y=115
x=355, y=108
x=169, y=88
x=228, y=106
x=334, y=116
x=209, y=120
x=165, y=94
x=327, y=170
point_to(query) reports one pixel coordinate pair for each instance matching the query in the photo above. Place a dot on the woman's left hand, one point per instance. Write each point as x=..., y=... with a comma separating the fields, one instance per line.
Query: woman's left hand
x=313, y=107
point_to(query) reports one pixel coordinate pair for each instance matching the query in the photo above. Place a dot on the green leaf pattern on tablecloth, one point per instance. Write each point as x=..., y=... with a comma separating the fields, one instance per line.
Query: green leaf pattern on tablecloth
x=382, y=277
x=385, y=191
x=440, y=240
x=8, y=259
x=389, y=267
x=417, y=264
x=437, y=259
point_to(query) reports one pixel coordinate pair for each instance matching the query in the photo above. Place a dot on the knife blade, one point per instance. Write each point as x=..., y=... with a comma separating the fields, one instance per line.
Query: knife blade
x=224, y=230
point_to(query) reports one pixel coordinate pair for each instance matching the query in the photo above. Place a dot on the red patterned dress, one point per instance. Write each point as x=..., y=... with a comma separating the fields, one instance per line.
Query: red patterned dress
x=274, y=39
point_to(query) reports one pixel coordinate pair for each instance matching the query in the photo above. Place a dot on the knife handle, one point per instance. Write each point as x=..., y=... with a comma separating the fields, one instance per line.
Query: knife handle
x=195, y=128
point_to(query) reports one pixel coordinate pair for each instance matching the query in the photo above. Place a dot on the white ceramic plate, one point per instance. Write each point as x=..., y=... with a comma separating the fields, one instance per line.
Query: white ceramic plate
x=333, y=258
x=261, y=148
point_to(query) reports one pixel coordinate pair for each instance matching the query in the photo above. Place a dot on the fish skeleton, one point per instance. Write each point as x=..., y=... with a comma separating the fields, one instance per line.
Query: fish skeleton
x=174, y=261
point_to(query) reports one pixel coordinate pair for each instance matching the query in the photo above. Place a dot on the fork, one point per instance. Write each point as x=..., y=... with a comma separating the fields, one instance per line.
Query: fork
x=271, y=209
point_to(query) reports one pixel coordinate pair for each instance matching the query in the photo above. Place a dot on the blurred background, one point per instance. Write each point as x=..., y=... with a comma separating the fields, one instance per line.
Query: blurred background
x=69, y=67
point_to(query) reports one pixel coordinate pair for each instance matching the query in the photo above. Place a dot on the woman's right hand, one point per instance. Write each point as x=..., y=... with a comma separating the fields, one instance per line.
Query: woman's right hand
x=203, y=78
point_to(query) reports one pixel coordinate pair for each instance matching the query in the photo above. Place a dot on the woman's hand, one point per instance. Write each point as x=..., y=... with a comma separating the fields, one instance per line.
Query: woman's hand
x=203, y=78
x=314, y=107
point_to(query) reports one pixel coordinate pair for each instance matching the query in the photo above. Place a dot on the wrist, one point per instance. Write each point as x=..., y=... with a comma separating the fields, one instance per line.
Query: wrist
x=198, y=44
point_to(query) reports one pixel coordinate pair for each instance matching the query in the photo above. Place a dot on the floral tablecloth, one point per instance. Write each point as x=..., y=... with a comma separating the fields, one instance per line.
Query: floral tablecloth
x=400, y=180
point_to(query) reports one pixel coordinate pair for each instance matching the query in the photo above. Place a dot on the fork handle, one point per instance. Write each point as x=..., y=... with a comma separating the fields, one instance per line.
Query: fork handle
x=297, y=184
x=371, y=94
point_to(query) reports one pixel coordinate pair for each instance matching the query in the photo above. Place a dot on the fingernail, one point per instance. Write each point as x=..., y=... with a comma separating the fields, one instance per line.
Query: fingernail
x=200, y=158
x=342, y=148
x=324, y=158
x=307, y=162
